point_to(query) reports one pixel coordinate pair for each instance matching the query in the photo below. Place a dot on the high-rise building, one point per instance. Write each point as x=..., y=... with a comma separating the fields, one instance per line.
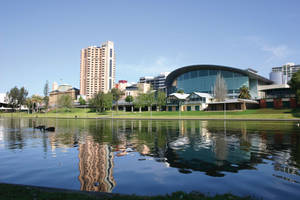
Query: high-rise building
x=287, y=71
x=97, y=69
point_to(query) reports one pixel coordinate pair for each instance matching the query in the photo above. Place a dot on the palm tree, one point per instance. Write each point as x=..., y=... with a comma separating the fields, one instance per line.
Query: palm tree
x=244, y=93
x=36, y=101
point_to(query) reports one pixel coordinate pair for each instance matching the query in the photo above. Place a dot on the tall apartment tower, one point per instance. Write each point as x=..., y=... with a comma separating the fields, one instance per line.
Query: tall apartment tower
x=97, y=69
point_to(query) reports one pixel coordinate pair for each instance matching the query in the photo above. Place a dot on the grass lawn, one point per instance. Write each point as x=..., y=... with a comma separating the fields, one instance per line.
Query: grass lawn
x=86, y=113
x=18, y=192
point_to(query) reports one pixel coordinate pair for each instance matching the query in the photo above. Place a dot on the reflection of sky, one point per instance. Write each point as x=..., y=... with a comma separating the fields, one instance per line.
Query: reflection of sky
x=154, y=176
x=1, y=136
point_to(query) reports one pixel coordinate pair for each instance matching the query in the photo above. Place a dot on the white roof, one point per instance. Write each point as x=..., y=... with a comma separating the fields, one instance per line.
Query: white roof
x=206, y=95
x=235, y=101
x=270, y=87
x=180, y=95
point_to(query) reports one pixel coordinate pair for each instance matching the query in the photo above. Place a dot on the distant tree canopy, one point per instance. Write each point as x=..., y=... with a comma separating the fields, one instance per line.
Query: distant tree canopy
x=149, y=99
x=244, y=93
x=116, y=94
x=129, y=99
x=294, y=83
x=65, y=101
x=46, y=95
x=181, y=91
x=101, y=101
x=160, y=99
x=81, y=101
x=34, y=102
x=17, y=97
x=140, y=101
x=220, y=88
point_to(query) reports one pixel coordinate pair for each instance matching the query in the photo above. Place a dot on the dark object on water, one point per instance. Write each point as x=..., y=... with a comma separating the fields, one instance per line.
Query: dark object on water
x=43, y=128
x=40, y=127
x=50, y=129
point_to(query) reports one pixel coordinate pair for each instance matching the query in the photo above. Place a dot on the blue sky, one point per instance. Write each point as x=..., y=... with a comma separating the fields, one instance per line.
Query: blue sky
x=41, y=40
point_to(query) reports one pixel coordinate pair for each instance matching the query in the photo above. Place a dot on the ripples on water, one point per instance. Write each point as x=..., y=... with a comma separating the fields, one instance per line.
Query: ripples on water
x=154, y=157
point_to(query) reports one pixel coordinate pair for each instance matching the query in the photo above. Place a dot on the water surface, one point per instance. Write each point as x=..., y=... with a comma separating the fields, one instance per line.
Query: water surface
x=154, y=157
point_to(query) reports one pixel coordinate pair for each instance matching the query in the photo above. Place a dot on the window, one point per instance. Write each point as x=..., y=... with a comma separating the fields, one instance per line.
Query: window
x=227, y=74
x=110, y=83
x=203, y=73
x=110, y=53
x=186, y=76
x=213, y=72
x=110, y=68
x=194, y=74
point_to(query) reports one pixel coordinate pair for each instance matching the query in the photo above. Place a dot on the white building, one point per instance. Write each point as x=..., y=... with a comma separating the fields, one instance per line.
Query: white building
x=97, y=69
x=286, y=74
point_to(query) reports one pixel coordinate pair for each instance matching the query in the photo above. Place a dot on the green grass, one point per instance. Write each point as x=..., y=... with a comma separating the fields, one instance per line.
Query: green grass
x=248, y=114
x=17, y=192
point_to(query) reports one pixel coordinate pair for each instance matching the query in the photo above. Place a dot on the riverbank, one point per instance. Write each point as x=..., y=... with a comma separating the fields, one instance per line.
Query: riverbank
x=257, y=114
x=16, y=192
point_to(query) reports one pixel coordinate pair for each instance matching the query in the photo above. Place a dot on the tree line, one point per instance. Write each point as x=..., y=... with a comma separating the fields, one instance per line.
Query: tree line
x=105, y=101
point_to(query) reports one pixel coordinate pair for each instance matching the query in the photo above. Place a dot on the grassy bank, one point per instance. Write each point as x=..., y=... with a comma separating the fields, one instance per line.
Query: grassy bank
x=86, y=113
x=16, y=192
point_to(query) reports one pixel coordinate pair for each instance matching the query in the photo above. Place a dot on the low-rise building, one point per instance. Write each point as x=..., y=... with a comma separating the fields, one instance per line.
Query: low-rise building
x=277, y=96
x=61, y=90
x=135, y=89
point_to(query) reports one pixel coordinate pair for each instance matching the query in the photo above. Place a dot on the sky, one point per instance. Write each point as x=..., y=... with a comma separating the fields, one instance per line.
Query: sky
x=41, y=40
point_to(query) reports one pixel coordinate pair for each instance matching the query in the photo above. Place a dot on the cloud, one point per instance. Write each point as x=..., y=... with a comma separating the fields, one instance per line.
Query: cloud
x=274, y=52
x=149, y=67
x=280, y=51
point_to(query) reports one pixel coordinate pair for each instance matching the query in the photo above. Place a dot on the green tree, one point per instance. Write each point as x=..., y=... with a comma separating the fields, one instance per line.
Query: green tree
x=29, y=104
x=46, y=95
x=101, y=101
x=149, y=99
x=140, y=101
x=36, y=102
x=81, y=101
x=181, y=91
x=160, y=99
x=65, y=101
x=13, y=97
x=17, y=97
x=244, y=93
x=294, y=83
x=129, y=99
x=117, y=94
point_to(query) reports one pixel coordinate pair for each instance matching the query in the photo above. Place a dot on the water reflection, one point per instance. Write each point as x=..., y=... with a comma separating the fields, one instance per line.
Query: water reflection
x=213, y=148
x=96, y=167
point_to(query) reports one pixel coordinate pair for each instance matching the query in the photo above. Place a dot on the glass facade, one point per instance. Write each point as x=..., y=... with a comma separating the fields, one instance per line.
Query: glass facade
x=203, y=80
x=110, y=68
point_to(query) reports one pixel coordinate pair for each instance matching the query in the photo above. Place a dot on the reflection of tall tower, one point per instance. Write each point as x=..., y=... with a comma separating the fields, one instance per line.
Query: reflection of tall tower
x=96, y=167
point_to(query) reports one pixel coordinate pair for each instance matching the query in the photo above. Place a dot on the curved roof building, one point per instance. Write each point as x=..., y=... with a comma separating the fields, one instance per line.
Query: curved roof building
x=201, y=78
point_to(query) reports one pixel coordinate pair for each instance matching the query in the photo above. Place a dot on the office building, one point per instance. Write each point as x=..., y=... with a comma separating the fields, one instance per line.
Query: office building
x=157, y=82
x=97, y=69
x=286, y=74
